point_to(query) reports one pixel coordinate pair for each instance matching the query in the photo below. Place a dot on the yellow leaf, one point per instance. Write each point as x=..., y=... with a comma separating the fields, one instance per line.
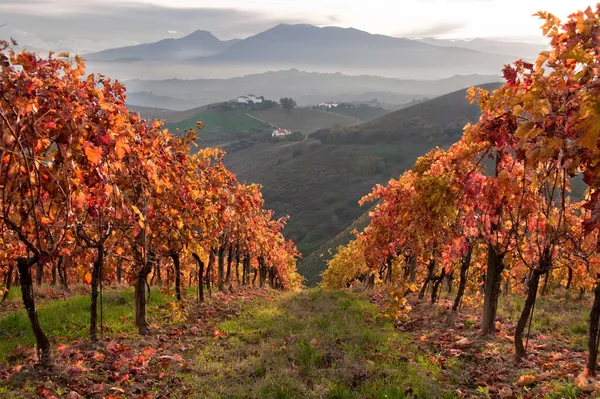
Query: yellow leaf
x=523, y=130
x=591, y=130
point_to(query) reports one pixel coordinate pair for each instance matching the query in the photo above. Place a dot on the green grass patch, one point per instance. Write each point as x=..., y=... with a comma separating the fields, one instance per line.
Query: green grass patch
x=572, y=321
x=70, y=318
x=217, y=123
x=311, y=344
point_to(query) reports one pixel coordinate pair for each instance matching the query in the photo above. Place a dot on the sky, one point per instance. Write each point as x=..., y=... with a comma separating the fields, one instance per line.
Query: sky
x=92, y=25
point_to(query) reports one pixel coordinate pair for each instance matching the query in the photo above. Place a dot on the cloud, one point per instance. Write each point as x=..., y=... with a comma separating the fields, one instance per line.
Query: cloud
x=437, y=29
x=124, y=23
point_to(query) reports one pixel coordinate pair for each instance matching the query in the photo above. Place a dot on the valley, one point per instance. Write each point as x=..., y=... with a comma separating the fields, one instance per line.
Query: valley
x=319, y=181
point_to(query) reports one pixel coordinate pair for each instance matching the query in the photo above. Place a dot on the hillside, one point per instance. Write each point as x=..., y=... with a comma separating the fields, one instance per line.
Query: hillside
x=223, y=124
x=304, y=120
x=217, y=124
x=320, y=180
x=440, y=120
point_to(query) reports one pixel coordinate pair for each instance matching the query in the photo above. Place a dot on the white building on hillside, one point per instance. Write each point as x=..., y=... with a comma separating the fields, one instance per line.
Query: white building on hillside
x=329, y=104
x=249, y=98
x=281, y=132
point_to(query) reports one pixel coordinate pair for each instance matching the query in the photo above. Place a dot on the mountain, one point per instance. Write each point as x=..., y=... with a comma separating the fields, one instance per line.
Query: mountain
x=306, y=88
x=528, y=51
x=287, y=46
x=197, y=44
x=319, y=181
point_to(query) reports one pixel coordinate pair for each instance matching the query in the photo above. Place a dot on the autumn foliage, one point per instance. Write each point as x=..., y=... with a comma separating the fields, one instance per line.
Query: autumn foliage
x=92, y=193
x=495, y=210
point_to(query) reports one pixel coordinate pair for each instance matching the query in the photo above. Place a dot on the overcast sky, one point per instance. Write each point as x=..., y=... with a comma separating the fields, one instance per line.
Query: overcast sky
x=91, y=25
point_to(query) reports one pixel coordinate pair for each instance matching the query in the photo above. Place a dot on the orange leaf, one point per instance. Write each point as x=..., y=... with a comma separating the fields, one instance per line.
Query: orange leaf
x=122, y=148
x=93, y=153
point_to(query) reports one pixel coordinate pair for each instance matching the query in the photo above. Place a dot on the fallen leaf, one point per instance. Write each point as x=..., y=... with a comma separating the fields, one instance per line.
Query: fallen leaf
x=463, y=343
x=585, y=383
x=526, y=380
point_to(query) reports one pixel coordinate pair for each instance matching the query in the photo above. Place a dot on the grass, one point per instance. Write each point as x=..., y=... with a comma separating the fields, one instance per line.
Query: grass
x=310, y=344
x=70, y=319
x=572, y=321
x=302, y=119
x=217, y=124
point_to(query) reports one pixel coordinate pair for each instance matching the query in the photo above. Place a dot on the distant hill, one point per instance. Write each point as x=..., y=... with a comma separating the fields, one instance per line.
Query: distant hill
x=439, y=120
x=151, y=100
x=528, y=51
x=197, y=44
x=320, y=180
x=304, y=45
x=225, y=122
x=307, y=88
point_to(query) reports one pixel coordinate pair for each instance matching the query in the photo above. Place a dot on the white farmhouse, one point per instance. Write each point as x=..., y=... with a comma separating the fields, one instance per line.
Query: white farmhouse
x=250, y=98
x=329, y=104
x=281, y=132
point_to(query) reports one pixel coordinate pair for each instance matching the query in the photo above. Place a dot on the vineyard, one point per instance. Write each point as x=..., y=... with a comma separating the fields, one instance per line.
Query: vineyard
x=93, y=194
x=132, y=266
x=494, y=211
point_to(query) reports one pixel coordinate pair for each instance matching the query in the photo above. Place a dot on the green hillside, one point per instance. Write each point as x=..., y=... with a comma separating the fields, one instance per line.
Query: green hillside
x=218, y=124
x=363, y=113
x=304, y=120
x=320, y=180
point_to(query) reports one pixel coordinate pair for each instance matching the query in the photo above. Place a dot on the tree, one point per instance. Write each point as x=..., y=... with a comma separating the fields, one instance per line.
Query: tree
x=287, y=103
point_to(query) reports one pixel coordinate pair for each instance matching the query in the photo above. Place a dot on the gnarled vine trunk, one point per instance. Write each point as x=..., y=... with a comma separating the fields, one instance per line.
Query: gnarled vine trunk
x=43, y=344
x=221, y=267
x=229, y=259
x=430, y=270
x=7, y=283
x=437, y=281
x=39, y=274
x=96, y=280
x=211, y=262
x=464, y=268
x=200, y=275
x=237, y=268
x=594, y=337
x=388, y=277
x=141, y=284
x=262, y=271
x=527, y=312
x=495, y=266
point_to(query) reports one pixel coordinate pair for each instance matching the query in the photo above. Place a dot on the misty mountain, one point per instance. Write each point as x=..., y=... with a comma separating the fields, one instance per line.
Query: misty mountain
x=197, y=44
x=299, y=46
x=527, y=51
x=307, y=88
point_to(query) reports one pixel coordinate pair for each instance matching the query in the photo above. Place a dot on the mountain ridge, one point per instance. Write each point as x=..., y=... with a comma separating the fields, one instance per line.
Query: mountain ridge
x=198, y=43
x=305, y=87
